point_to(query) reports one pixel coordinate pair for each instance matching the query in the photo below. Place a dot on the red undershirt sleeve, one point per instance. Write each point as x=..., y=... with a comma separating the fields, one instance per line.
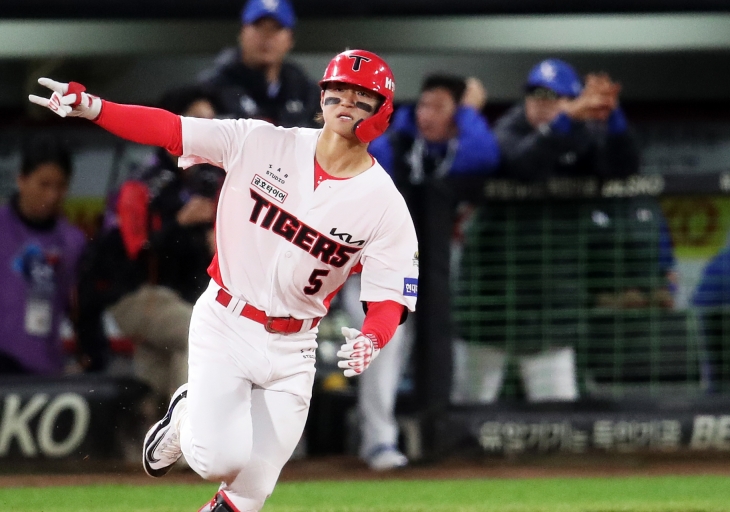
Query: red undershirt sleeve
x=143, y=125
x=382, y=320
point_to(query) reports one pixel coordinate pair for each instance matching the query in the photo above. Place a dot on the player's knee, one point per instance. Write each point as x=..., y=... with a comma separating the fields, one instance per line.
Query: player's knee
x=224, y=463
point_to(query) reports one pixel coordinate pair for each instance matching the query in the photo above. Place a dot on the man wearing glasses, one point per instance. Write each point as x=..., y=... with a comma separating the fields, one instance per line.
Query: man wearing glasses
x=566, y=128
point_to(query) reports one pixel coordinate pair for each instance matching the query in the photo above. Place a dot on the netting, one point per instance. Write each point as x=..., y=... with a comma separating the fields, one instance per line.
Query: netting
x=592, y=276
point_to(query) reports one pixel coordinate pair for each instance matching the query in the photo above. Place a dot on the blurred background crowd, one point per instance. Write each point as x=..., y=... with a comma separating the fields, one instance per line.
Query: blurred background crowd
x=573, y=273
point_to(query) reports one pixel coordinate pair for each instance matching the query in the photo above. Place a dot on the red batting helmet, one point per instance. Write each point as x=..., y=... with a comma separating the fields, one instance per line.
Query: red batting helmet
x=367, y=70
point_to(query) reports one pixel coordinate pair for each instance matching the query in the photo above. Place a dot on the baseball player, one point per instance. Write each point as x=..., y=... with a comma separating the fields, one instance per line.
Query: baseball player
x=299, y=211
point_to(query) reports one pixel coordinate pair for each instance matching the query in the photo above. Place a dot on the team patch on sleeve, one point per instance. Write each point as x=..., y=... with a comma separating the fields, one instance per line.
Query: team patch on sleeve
x=410, y=287
x=268, y=189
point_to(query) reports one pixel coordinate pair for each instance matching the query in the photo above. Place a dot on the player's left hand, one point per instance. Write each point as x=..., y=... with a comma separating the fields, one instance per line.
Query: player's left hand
x=68, y=100
x=358, y=352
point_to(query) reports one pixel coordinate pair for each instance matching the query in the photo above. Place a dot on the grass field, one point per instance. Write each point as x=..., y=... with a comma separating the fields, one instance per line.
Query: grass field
x=629, y=494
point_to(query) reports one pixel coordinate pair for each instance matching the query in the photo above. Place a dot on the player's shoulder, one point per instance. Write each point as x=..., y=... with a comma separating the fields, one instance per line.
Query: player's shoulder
x=382, y=188
x=267, y=127
x=247, y=128
x=384, y=181
x=298, y=136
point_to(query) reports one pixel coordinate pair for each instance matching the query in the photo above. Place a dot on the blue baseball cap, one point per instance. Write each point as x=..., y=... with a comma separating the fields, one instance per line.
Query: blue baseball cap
x=556, y=75
x=280, y=10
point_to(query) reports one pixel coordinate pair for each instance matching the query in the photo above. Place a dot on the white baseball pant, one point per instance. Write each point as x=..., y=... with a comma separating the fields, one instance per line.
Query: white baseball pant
x=248, y=399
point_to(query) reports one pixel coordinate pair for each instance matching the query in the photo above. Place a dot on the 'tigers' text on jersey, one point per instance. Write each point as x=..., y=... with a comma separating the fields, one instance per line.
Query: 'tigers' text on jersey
x=295, y=231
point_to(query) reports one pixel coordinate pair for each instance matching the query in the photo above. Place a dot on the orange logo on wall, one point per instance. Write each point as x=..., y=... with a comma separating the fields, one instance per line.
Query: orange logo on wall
x=698, y=225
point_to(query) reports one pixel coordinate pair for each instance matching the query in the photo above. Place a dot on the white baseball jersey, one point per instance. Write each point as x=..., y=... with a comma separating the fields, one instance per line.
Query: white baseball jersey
x=284, y=246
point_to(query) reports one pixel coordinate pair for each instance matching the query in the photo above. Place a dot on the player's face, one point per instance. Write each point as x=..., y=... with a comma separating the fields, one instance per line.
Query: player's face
x=265, y=43
x=343, y=105
x=41, y=193
x=435, y=115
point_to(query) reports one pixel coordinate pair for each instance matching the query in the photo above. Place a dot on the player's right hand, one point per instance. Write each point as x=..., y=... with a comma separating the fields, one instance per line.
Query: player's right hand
x=358, y=351
x=68, y=100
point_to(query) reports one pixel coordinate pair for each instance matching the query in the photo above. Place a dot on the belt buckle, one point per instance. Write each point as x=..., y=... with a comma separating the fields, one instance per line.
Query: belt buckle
x=269, y=328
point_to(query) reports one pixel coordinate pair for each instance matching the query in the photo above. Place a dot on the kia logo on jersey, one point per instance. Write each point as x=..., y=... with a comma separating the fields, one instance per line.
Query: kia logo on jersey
x=346, y=237
x=410, y=287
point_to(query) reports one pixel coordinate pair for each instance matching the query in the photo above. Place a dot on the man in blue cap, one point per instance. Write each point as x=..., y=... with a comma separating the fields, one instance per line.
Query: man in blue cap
x=564, y=128
x=255, y=80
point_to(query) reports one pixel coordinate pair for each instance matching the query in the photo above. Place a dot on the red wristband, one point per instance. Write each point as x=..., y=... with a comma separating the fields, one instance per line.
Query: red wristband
x=382, y=320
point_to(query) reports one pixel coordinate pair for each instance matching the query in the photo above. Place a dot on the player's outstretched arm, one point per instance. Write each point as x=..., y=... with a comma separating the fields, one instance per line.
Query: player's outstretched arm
x=358, y=351
x=143, y=125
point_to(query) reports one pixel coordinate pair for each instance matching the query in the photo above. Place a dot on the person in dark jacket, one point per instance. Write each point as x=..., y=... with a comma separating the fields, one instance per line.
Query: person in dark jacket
x=149, y=264
x=255, y=80
x=563, y=128
x=443, y=134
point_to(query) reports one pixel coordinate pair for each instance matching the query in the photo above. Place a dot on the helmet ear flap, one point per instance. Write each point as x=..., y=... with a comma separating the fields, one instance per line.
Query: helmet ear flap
x=367, y=130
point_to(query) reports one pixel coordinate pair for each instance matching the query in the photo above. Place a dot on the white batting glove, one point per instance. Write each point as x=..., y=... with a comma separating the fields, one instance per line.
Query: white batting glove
x=358, y=351
x=68, y=100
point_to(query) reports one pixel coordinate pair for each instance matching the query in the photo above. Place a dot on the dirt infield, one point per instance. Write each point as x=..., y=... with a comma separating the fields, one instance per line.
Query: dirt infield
x=350, y=468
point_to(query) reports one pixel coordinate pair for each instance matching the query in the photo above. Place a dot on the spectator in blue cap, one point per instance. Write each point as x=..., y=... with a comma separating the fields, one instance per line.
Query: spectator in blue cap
x=255, y=80
x=565, y=128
